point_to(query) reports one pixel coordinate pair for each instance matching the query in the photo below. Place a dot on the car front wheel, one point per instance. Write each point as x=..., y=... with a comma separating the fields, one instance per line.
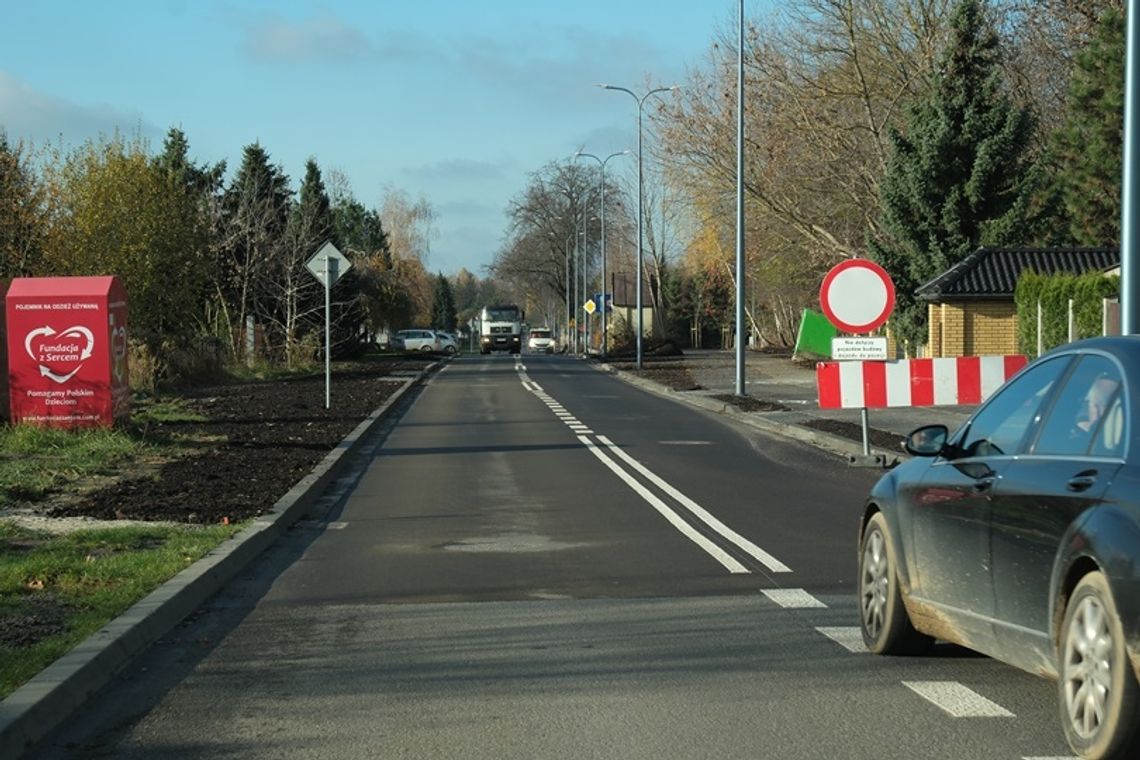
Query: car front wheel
x=1098, y=690
x=882, y=616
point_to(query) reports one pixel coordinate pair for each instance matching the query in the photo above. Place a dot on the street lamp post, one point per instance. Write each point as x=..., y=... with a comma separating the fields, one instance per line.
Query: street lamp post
x=583, y=264
x=640, y=103
x=584, y=335
x=567, y=291
x=602, y=163
x=578, y=287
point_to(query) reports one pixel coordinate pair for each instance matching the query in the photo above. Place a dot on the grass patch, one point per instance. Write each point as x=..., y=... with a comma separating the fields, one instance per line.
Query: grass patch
x=35, y=461
x=260, y=371
x=56, y=590
x=152, y=411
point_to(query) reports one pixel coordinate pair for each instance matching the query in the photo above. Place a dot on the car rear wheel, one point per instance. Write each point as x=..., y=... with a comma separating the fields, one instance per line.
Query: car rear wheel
x=1098, y=690
x=882, y=616
x=451, y=349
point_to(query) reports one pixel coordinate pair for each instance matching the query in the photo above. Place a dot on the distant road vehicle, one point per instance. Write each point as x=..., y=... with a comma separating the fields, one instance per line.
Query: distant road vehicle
x=1019, y=536
x=500, y=329
x=541, y=340
x=416, y=340
x=448, y=343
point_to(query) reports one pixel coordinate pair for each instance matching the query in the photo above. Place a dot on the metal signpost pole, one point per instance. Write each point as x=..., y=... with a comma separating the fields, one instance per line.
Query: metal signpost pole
x=857, y=296
x=327, y=265
x=328, y=323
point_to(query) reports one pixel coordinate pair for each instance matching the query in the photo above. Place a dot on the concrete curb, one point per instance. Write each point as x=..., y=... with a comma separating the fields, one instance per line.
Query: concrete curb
x=37, y=707
x=817, y=438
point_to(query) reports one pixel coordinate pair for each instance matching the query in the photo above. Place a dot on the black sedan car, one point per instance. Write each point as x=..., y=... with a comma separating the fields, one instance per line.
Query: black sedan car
x=1019, y=536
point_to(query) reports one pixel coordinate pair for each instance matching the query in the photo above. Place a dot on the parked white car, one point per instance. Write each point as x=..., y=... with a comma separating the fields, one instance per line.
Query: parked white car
x=416, y=340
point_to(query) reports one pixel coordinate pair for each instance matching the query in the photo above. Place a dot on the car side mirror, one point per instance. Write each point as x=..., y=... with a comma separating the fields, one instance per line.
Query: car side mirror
x=927, y=441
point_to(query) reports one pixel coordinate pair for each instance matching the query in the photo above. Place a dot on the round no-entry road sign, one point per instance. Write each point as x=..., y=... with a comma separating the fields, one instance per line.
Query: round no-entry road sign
x=857, y=295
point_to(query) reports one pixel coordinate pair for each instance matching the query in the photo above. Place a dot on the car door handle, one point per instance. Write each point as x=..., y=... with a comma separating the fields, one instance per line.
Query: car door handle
x=984, y=484
x=1082, y=482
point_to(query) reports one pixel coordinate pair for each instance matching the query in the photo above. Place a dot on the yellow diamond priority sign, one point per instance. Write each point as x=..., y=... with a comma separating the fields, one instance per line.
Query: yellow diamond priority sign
x=590, y=306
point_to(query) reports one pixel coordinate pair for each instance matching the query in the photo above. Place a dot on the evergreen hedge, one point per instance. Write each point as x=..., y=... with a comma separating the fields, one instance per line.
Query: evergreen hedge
x=1088, y=292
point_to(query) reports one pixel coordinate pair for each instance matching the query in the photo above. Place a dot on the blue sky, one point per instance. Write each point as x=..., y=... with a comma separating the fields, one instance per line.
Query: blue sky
x=453, y=101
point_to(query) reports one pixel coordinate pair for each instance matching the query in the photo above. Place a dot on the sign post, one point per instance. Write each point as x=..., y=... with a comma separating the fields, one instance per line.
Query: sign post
x=328, y=265
x=857, y=296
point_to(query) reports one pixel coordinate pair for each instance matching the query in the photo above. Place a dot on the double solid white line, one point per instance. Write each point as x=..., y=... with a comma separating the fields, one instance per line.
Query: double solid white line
x=711, y=548
x=677, y=521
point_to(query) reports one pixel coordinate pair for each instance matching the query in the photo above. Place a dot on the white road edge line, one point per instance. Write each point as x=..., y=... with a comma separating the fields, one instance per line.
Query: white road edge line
x=674, y=519
x=957, y=700
x=754, y=551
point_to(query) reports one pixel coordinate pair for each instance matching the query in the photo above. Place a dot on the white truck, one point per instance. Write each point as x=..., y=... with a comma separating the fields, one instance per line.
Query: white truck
x=500, y=329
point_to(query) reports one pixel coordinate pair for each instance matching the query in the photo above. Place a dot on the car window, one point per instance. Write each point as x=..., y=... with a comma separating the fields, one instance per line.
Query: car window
x=1081, y=408
x=1001, y=425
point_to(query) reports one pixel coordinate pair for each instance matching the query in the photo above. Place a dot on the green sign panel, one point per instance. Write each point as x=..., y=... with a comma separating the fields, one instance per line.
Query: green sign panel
x=815, y=335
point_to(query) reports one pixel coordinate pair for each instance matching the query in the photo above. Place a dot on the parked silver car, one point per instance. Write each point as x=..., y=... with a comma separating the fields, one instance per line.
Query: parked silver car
x=416, y=340
x=448, y=343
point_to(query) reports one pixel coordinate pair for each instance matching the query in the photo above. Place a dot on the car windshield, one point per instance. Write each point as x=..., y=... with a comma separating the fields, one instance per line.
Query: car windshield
x=540, y=333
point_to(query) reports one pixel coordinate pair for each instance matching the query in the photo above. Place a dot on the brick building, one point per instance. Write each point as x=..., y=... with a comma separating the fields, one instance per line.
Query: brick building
x=970, y=307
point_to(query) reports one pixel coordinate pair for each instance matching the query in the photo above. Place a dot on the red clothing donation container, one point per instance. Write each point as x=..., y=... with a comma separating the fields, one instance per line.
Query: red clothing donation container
x=3, y=360
x=67, y=351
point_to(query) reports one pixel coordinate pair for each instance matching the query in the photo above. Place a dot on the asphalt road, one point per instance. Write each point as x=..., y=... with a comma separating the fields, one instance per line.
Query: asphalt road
x=537, y=560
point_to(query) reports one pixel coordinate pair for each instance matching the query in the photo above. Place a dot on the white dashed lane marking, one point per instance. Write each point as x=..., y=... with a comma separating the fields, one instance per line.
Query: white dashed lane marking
x=957, y=700
x=793, y=598
x=849, y=637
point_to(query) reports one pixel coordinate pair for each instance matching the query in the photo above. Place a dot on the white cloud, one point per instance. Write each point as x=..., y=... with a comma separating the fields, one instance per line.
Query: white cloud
x=322, y=38
x=465, y=207
x=457, y=169
x=560, y=63
x=31, y=115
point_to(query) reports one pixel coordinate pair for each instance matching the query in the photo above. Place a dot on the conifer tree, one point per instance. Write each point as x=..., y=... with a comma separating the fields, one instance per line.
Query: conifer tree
x=961, y=175
x=1087, y=152
x=255, y=212
x=443, y=313
x=174, y=161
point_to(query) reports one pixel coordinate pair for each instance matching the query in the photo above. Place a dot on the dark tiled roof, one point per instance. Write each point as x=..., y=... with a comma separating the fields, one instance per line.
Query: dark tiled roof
x=993, y=272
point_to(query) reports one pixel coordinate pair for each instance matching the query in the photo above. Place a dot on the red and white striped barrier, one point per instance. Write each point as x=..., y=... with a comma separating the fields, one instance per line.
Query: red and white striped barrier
x=912, y=382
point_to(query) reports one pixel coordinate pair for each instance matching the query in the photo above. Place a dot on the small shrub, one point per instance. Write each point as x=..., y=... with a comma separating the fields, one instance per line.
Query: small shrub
x=144, y=367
